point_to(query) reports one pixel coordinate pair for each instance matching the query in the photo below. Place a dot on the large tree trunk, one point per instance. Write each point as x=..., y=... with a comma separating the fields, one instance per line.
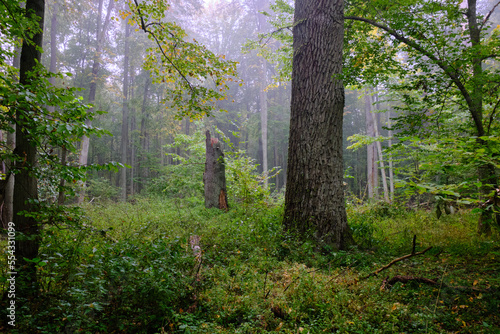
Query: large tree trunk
x=214, y=177
x=25, y=188
x=314, y=198
x=124, y=141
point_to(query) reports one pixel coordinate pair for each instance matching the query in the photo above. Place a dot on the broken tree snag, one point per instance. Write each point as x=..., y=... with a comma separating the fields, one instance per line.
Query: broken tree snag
x=214, y=177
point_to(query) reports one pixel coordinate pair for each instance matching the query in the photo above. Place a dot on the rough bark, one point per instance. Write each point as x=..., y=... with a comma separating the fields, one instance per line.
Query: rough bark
x=214, y=177
x=25, y=187
x=314, y=198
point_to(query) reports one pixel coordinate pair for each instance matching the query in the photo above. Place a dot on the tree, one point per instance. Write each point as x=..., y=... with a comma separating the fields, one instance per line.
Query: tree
x=214, y=176
x=125, y=119
x=448, y=50
x=314, y=198
x=25, y=187
x=371, y=152
x=99, y=40
x=261, y=5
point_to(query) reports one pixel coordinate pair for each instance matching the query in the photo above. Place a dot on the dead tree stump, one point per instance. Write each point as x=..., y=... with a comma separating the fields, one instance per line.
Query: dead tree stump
x=214, y=177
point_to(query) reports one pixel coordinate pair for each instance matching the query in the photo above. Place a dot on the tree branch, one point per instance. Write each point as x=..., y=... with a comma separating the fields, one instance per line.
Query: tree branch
x=449, y=71
x=144, y=27
x=488, y=16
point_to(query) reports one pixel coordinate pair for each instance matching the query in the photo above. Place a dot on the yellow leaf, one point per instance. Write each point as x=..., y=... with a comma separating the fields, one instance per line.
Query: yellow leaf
x=279, y=327
x=475, y=282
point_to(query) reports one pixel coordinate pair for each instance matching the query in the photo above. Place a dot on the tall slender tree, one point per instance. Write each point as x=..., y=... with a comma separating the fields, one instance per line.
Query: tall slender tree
x=100, y=34
x=261, y=20
x=314, y=198
x=125, y=113
x=371, y=152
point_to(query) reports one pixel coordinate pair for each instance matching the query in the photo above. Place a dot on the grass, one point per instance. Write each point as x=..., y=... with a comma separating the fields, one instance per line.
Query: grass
x=132, y=270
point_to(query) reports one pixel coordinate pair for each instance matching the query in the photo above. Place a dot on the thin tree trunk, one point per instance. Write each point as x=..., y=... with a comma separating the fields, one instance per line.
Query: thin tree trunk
x=391, y=170
x=380, y=157
x=60, y=197
x=371, y=152
x=53, y=69
x=100, y=33
x=124, y=141
x=8, y=206
x=262, y=4
x=133, y=166
x=143, y=139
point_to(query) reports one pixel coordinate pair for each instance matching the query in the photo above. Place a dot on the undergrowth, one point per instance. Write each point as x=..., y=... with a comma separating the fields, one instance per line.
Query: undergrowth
x=131, y=268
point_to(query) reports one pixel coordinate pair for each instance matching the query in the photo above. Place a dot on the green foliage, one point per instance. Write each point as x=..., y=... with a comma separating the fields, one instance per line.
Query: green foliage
x=101, y=189
x=244, y=183
x=184, y=178
x=129, y=267
x=197, y=77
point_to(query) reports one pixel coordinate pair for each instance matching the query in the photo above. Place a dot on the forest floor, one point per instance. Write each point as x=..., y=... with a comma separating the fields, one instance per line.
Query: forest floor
x=171, y=266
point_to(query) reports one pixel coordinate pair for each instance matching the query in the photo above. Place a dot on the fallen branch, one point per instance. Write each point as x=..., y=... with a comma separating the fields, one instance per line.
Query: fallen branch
x=387, y=283
x=398, y=259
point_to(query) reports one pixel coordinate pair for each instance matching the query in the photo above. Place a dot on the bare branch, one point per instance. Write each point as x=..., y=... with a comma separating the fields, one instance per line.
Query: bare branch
x=488, y=16
x=395, y=261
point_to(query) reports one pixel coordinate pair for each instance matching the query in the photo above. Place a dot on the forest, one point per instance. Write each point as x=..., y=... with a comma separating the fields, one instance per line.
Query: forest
x=250, y=166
